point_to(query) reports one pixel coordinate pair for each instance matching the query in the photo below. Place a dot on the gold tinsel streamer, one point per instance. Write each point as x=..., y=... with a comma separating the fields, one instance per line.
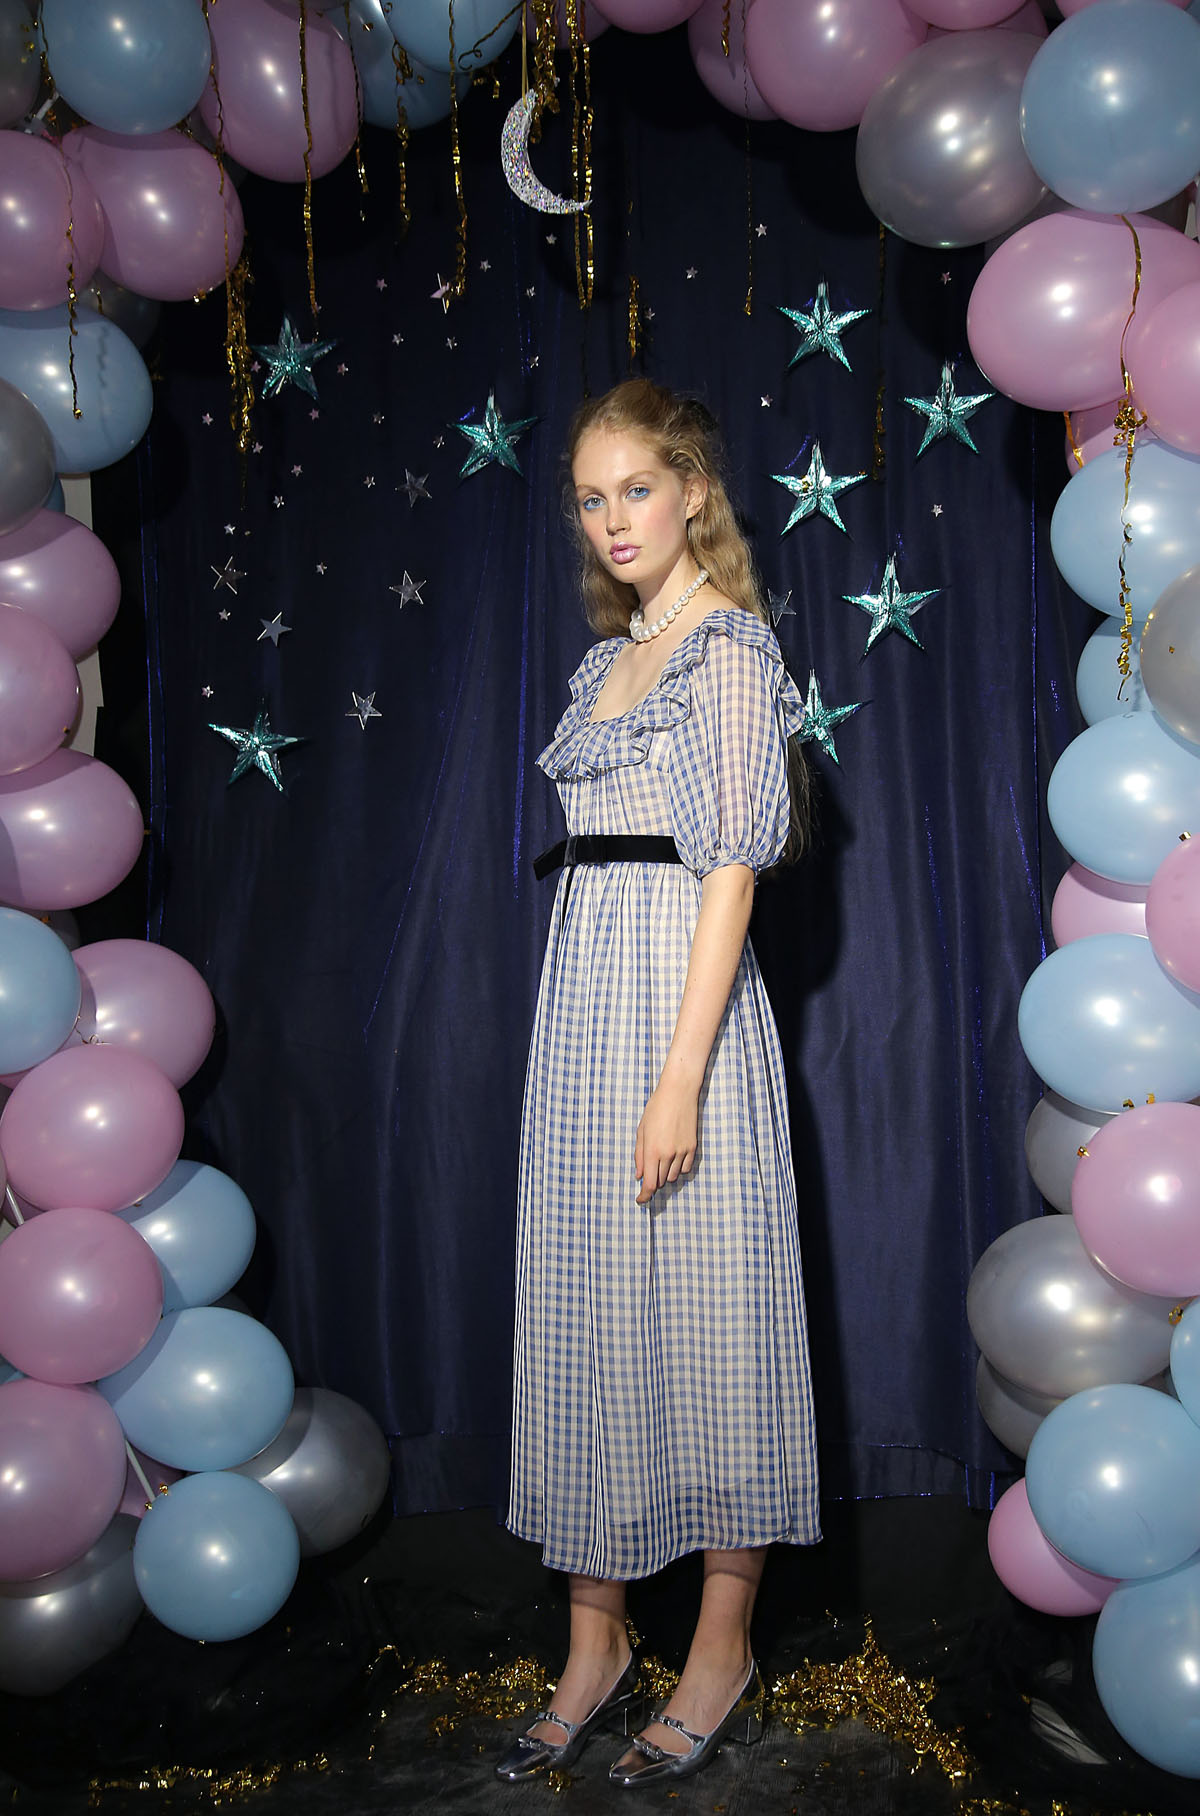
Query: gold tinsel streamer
x=308, y=233
x=865, y=1688
x=1125, y=429
x=725, y=12
x=878, y=454
x=359, y=165
x=635, y=319
x=72, y=296
x=1076, y=450
x=581, y=153
x=238, y=356
x=459, y=286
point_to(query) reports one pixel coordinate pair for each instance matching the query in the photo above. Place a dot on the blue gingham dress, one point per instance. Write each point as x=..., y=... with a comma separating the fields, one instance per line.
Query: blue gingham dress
x=662, y=1401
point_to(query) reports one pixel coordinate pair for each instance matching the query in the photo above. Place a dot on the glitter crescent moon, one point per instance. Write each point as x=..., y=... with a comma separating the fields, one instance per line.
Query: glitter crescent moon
x=518, y=171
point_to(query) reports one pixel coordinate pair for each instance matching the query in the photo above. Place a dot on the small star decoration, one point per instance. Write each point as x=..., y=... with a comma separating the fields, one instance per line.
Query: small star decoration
x=364, y=708
x=273, y=628
x=889, y=608
x=779, y=607
x=409, y=589
x=491, y=440
x=819, y=720
x=816, y=490
x=227, y=576
x=291, y=360
x=947, y=412
x=256, y=748
x=820, y=329
x=414, y=488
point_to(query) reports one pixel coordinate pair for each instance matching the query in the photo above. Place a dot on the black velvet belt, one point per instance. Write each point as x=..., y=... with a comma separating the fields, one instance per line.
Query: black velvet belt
x=607, y=848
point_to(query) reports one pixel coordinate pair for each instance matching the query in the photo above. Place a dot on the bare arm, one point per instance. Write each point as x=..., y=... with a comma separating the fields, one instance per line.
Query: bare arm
x=666, y=1136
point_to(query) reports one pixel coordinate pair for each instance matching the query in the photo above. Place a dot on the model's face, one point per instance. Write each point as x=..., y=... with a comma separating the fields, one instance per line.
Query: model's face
x=633, y=508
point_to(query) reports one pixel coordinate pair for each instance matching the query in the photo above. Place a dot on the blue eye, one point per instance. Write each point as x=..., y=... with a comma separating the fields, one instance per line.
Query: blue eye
x=591, y=502
x=639, y=491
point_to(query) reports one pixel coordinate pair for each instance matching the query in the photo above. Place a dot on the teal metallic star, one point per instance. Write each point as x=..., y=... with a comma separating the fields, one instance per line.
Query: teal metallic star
x=947, y=413
x=491, y=439
x=291, y=361
x=820, y=329
x=816, y=491
x=889, y=608
x=819, y=720
x=256, y=749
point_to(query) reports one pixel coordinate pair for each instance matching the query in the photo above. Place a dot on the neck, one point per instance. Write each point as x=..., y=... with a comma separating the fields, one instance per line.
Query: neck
x=655, y=596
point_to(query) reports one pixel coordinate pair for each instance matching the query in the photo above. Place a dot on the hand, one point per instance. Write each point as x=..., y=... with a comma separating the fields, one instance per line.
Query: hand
x=666, y=1138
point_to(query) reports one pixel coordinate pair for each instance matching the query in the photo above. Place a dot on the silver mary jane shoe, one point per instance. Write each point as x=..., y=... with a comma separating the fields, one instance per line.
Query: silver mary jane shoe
x=622, y=1706
x=743, y=1723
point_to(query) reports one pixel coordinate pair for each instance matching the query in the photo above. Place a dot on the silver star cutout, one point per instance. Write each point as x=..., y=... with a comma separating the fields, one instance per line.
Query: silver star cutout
x=491, y=440
x=291, y=360
x=256, y=748
x=816, y=490
x=227, y=576
x=409, y=589
x=273, y=628
x=819, y=720
x=223, y=616
x=414, y=488
x=820, y=329
x=947, y=412
x=779, y=607
x=760, y=230
x=364, y=708
x=890, y=609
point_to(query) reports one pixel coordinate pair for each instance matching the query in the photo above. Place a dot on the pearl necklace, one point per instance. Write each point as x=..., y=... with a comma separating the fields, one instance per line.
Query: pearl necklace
x=641, y=632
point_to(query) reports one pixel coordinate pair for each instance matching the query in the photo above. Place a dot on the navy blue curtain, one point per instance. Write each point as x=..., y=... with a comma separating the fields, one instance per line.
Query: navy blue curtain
x=372, y=934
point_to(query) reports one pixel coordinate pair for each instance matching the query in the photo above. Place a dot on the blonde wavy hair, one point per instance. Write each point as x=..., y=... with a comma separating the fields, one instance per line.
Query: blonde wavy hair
x=683, y=434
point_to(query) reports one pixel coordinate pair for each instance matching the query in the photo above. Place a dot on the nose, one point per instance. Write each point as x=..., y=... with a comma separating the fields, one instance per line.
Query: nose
x=616, y=517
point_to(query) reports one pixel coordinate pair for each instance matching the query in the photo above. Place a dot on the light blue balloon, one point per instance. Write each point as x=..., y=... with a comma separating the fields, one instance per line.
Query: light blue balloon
x=1098, y=679
x=39, y=991
x=1163, y=516
x=1122, y=794
x=1185, y=1360
x=216, y=1556
x=1110, y=107
x=201, y=1227
x=425, y=97
x=111, y=380
x=481, y=30
x=130, y=66
x=1113, y=1476
x=211, y=1388
x=1102, y=1023
x=1144, y=1660
x=57, y=500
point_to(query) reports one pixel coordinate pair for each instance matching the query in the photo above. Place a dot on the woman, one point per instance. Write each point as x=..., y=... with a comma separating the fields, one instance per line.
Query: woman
x=661, y=1397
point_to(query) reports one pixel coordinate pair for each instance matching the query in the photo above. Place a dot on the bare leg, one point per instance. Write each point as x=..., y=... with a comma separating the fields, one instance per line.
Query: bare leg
x=599, y=1652
x=719, y=1657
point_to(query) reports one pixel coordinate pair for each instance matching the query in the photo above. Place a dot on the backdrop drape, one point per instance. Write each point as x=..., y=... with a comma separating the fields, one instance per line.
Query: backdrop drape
x=372, y=934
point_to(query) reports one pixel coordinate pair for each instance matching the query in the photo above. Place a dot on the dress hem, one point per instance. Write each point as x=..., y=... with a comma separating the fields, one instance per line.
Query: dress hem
x=574, y=1567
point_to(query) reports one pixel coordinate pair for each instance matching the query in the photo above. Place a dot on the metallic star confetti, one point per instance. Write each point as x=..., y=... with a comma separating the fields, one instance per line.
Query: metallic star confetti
x=820, y=329
x=816, y=490
x=409, y=589
x=947, y=412
x=414, y=488
x=819, y=720
x=227, y=576
x=491, y=440
x=890, y=609
x=273, y=628
x=256, y=749
x=291, y=361
x=364, y=708
x=779, y=607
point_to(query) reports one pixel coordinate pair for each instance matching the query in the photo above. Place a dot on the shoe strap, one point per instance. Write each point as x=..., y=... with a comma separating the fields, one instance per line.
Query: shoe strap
x=569, y=1728
x=669, y=1721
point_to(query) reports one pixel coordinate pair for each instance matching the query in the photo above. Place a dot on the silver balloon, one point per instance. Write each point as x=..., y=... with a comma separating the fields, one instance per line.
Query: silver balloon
x=1051, y=1321
x=940, y=158
x=1170, y=655
x=26, y=459
x=20, y=62
x=329, y=1466
x=54, y=1628
x=1054, y=1134
x=137, y=316
x=1011, y=1413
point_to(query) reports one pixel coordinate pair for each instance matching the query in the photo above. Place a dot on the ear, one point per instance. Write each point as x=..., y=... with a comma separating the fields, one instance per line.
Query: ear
x=695, y=491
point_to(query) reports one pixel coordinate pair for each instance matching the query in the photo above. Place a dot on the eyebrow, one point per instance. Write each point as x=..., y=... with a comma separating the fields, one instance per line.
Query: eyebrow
x=642, y=473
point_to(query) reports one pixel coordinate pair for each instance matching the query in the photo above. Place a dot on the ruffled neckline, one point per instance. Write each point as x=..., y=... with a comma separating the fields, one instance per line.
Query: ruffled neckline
x=582, y=748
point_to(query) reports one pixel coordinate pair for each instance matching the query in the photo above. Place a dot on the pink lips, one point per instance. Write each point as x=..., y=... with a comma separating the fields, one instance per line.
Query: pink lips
x=622, y=551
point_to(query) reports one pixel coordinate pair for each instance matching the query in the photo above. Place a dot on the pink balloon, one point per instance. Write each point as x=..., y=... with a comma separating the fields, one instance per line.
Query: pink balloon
x=70, y=829
x=648, y=15
x=147, y=999
x=160, y=1477
x=1173, y=913
x=91, y=1126
x=1067, y=7
x=1027, y=18
x=1135, y=1195
x=78, y=1299
x=58, y=571
x=1162, y=351
x=962, y=15
x=591, y=17
x=62, y=1466
x=726, y=78
x=1085, y=903
x=1049, y=308
x=1031, y=1569
x=39, y=690
x=1093, y=431
x=173, y=227
x=818, y=62
x=259, y=118
x=40, y=198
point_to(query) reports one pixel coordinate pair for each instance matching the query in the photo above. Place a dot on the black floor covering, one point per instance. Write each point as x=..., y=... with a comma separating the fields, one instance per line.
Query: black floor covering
x=904, y=1680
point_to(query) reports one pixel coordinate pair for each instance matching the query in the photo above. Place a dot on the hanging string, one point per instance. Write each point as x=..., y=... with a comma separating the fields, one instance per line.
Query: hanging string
x=359, y=165
x=72, y=297
x=13, y=1209
x=238, y=357
x=878, y=453
x=308, y=233
x=581, y=152
x=635, y=319
x=458, y=286
x=1128, y=422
